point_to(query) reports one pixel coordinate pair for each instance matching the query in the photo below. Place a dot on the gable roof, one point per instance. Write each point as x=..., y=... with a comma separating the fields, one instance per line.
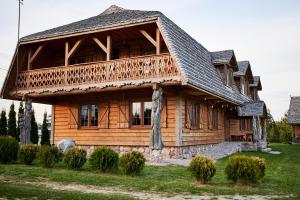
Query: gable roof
x=256, y=83
x=243, y=67
x=294, y=111
x=223, y=57
x=255, y=108
x=193, y=60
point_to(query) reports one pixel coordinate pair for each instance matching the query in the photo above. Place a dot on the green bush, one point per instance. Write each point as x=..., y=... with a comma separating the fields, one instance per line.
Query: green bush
x=132, y=162
x=49, y=156
x=104, y=159
x=203, y=168
x=28, y=153
x=75, y=158
x=9, y=148
x=245, y=169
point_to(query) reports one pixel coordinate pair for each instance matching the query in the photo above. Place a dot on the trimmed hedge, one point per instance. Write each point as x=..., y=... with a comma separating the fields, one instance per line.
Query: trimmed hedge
x=49, y=156
x=132, y=162
x=75, y=158
x=28, y=153
x=245, y=169
x=104, y=159
x=203, y=168
x=9, y=148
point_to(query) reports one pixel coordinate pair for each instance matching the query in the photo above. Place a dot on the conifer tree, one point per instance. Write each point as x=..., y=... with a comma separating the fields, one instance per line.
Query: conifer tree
x=3, y=123
x=12, y=122
x=20, y=112
x=34, y=137
x=45, y=132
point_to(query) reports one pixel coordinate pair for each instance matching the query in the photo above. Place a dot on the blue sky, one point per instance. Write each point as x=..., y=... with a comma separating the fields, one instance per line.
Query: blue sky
x=267, y=33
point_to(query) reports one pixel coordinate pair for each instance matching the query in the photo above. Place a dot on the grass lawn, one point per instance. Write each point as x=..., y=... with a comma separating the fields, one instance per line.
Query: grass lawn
x=282, y=177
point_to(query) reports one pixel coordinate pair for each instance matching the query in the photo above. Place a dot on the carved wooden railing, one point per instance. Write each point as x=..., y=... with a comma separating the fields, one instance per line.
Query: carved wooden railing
x=146, y=67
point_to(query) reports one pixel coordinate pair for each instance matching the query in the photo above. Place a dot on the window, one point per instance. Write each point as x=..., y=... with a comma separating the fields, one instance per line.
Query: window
x=141, y=114
x=229, y=77
x=242, y=85
x=89, y=115
x=242, y=124
x=213, y=118
x=195, y=116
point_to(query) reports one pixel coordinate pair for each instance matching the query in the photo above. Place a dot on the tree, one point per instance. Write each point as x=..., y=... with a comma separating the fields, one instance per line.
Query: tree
x=20, y=112
x=34, y=137
x=279, y=131
x=3, y=123
x=45, y=132
x=12, y=122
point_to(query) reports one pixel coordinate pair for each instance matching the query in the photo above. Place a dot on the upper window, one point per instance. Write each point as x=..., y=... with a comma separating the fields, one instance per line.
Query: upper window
x=141, y=113
x=89, y=115
x=213, y=118
x=228, y=77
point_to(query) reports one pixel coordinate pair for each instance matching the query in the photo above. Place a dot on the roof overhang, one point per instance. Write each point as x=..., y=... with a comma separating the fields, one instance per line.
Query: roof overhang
x=253, y=109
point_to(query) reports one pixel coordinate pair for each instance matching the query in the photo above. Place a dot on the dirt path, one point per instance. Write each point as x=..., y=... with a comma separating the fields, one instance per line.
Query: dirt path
x=137, y=195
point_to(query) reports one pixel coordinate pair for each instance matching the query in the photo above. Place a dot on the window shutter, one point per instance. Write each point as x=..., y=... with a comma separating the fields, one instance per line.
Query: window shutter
x=164, y=113
x=123, y=114
x=103, y=115
x=187, y=113
x=73, y=116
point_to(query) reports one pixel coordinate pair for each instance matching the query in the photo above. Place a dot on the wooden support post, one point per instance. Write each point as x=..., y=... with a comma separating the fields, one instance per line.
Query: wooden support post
x=68, y=54
x=100, y=44
x=157, y=41
x=179, y=119
x=31, y=57
x=108, y=47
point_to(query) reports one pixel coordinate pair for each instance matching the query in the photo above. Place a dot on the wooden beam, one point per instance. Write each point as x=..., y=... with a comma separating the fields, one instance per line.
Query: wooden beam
x=32, y=57
x=108, y=46
x=100, y=44
x=157, y=41
x=66, y=54
x=148, y=37
x=69, y=53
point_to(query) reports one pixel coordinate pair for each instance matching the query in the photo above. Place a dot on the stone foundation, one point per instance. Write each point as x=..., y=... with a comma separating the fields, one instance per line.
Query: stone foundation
x=185, y=152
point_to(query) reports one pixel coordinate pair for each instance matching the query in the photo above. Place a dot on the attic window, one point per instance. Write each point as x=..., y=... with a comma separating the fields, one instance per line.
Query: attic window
x=228, y=76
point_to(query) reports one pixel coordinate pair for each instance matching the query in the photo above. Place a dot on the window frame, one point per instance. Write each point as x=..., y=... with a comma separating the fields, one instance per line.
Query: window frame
x=213, y=119
x=89, y=116
x=197, y=123
x=142, y=125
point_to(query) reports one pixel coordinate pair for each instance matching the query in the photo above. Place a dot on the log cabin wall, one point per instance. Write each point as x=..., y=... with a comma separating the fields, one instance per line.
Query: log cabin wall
x=296, y=135
x=113, y=120
x=204, y=133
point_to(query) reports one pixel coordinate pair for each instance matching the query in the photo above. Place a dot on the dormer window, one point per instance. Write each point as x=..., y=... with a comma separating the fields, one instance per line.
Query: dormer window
x=228, y=76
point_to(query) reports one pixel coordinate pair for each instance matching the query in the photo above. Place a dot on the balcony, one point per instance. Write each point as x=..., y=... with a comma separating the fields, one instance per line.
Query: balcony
x=121, y=70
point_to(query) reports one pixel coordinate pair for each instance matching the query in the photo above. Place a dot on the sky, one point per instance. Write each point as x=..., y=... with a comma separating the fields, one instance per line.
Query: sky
x=267, y=33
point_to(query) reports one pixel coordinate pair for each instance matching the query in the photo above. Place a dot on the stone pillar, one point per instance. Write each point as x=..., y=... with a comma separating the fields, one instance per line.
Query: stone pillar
x=254, y=124
x=25, y=123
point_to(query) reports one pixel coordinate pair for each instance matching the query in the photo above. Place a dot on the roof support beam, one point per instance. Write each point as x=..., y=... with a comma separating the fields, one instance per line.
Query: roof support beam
x=32, y=57
x=155, y=42
x=107, y=48
x=69, y=53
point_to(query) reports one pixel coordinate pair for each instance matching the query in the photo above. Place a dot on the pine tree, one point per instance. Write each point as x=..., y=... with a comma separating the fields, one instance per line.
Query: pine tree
x=20, y=112
x=12, y=122
x=3, y=123
x=34, y=137
x=45, y=132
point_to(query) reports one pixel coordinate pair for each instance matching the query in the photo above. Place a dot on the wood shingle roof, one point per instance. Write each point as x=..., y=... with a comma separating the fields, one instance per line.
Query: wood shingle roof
x=294, y=111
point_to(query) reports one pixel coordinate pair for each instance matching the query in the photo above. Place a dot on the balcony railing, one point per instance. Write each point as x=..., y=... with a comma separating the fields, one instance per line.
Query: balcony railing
x=146, y=67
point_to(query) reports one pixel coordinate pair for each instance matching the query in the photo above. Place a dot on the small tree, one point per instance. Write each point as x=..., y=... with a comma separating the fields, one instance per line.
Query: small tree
x=34, y=137
x=45, y=132
x=20, y=112
x=12, y=122
x=3, y=123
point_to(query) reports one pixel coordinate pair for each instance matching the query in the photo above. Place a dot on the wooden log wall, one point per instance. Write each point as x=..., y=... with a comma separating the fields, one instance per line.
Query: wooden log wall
x=112, y=130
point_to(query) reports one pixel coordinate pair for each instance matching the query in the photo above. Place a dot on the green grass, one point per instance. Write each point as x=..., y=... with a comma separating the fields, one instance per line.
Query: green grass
x=282, y=176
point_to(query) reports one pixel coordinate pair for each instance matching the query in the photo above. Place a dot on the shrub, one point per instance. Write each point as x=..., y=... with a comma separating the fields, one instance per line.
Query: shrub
x=9, y=148
x=104, y=159
x=75, y=158
x=132, y=162
x=203, y=168
x=245, y=169
x=49, y=156
x=28, y=153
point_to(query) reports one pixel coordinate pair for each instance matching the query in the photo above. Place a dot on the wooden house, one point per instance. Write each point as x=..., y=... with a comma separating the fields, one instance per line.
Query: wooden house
x=102, y=74
x=294, y=118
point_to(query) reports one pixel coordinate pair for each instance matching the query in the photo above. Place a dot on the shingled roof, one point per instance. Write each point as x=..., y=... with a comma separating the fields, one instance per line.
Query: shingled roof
x=243, y=67
x=256, y=82
x=255, y=108
x=294, y=111
x=195, y=61
x=222, y=57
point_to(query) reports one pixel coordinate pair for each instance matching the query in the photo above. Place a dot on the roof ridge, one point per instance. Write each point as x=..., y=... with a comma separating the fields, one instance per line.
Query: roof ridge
x=112, y=9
